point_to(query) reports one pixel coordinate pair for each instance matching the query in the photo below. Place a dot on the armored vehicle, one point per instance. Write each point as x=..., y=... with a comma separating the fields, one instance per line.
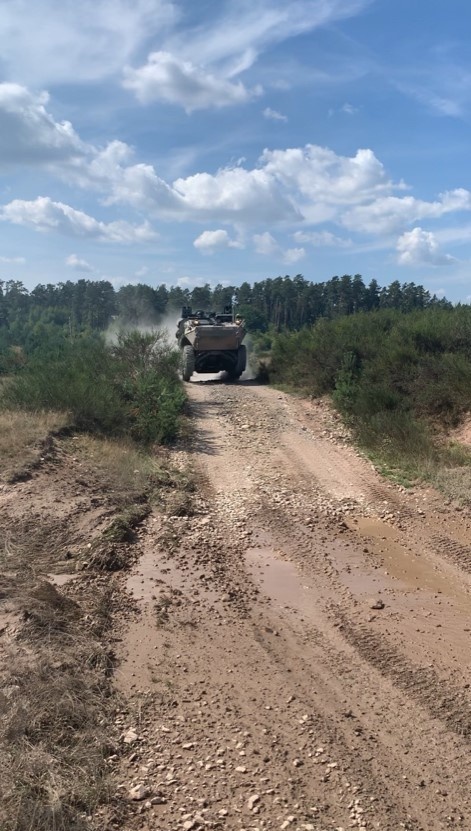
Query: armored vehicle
x=211, y=342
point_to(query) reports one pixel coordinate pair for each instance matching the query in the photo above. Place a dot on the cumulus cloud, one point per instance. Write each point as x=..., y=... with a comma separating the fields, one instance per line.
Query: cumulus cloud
x=293, y=255
x=390, y=213
x=79, y=265
x=30, y=135
x=309, y=185
x=274, y=115
x=318, y=173
x=210, y=241
x=167, y=78
x=267, y=245
x=419, y=247
x=197, y=66
x=43, y=214
x=236, y=193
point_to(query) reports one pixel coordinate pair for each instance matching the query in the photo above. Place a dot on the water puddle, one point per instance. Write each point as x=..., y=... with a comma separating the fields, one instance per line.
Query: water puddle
x=401, y=563
x=281, y=581
x=360, y=583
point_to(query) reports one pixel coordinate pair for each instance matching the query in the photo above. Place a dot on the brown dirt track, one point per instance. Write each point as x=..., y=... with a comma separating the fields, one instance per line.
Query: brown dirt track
x=292, y=647
x=299, y=654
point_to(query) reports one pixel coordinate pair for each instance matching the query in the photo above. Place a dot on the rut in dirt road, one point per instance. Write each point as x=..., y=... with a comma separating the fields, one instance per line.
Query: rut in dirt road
x=301, y=656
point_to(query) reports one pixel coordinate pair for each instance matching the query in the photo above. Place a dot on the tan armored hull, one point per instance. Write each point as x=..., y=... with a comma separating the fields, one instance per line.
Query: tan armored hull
x=211, y=342
x=207, y=338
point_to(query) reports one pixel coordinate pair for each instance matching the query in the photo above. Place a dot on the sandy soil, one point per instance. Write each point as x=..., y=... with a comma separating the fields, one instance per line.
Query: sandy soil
x=299, y=653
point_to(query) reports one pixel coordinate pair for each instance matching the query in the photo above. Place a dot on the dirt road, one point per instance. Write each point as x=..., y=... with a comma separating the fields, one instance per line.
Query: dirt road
x=300, y=653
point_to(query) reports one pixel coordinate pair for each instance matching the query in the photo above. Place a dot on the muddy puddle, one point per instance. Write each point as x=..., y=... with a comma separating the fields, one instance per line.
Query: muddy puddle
x=404, y=564
x=281, y=581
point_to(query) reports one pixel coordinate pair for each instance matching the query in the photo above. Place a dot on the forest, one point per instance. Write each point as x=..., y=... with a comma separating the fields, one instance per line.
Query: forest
x=51, y=312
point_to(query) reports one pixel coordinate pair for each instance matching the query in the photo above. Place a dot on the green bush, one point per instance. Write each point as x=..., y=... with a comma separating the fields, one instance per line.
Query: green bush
x=78, y=378
x=129, y=388
x=395, y=376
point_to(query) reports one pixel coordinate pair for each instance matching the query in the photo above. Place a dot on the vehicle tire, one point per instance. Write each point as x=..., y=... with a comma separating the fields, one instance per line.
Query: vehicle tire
x=241, y=363
x=188, y=362
x=241, y=360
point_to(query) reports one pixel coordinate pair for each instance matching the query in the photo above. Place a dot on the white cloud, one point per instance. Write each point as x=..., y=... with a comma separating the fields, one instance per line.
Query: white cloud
x=323, y=182
x=322, y=239
x=274, y=115
x=419, y=247
x=196, y=67
x=309, y=184
x=246, y=28
x=79, y=265
x=43, y=214
x=30, y=135
x=141, y=272
x=293, y=255
x=443, y=86
x=65, y=41
x=267, y=245
x=349, y=109
x=235, y=194
x=167, y=78
x=13, y=260
x=210, y=241
x=390, y=213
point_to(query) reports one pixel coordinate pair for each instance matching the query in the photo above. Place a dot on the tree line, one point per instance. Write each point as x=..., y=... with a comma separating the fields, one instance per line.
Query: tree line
x=281, y=303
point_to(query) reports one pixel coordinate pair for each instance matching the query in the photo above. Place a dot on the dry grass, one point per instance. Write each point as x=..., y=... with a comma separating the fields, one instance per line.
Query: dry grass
x=455, y=483
x=57, y=704
x=125, y=471
x=22, y=437
x=56, y=713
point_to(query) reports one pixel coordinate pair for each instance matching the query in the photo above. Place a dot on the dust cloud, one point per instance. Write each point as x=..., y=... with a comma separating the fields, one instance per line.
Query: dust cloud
x=167, y=327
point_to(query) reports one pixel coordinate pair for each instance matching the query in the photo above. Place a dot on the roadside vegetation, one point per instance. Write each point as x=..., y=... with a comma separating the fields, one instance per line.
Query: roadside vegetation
x=130, y=388
x=58, y=602
x=402, y=381
x=93, y=414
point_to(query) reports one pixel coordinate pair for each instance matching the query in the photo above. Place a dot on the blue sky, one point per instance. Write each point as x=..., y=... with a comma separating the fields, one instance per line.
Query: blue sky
x=169, y=141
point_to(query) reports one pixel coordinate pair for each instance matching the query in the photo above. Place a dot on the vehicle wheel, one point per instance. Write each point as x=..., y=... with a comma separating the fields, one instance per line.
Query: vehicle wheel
x=188, y=362
x=240, y=364
x=241, y=360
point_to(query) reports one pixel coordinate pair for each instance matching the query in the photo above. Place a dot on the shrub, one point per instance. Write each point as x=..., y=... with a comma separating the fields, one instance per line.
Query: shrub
x=395, y=376
x=129, y=388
